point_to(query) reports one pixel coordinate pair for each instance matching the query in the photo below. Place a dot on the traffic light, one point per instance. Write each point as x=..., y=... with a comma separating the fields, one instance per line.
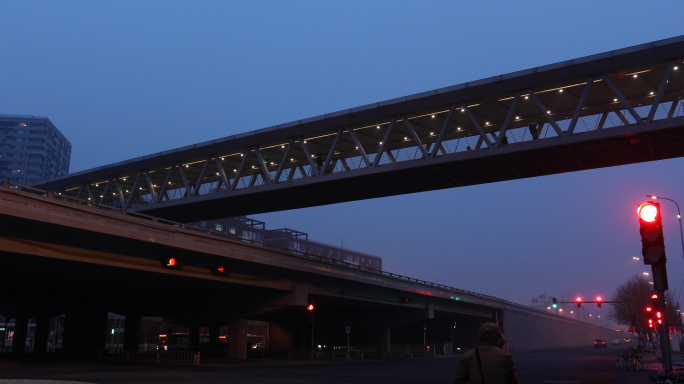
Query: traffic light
x=554, y=304
x=579, y=302
x=405, y=300
x=220, y=270
x=651, y=230
x=172, y=263
x=598, y=301
x=654, y=300
x=310, y=308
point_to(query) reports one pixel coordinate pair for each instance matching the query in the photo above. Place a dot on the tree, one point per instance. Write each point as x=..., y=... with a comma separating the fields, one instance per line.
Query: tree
x=632, y=298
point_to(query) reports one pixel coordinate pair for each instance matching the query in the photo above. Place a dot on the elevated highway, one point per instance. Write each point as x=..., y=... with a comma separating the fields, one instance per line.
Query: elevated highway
x=614, y=108
x=61, y=255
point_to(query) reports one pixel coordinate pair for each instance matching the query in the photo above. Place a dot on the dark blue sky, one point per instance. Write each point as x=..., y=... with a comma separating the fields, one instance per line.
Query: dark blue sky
x=123, y=79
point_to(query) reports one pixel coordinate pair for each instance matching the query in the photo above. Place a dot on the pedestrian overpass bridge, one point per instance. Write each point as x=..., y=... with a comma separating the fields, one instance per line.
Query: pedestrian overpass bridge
x=614, y=108
x=61, y=255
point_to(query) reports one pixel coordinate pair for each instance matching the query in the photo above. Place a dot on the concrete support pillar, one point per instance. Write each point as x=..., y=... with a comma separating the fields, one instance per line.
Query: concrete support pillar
x=85, y=331
x=42, y=334
x=132, y=333
x=214, y=333
x=20, y=330
x=193, y=337
x=385, y=339
x=237, y=339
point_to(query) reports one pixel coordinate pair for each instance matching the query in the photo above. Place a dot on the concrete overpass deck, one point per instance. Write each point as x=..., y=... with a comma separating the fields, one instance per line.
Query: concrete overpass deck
x=83, y=259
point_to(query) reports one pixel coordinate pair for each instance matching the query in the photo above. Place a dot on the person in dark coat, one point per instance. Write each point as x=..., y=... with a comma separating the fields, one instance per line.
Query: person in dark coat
x=496, y=364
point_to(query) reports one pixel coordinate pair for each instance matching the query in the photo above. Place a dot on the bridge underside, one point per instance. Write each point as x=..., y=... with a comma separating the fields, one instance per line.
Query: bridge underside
x=61, y=257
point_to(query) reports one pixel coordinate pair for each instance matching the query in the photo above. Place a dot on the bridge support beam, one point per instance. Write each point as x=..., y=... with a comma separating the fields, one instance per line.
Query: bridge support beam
x=214, y=334
x=42, y=334
x=237, y=339
x=132, y=333
x=385, y=339
x=193, y=337
x=85, y=330
x=20, y=331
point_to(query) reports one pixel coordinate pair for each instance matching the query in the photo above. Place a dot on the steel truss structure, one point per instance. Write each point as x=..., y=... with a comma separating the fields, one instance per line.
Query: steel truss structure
x=614, y=108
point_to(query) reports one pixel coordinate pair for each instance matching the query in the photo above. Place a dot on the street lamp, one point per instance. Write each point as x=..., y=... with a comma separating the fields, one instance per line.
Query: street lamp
x=679, y=217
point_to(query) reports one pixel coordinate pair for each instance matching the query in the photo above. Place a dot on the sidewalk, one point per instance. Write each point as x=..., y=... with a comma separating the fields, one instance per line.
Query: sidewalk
x=651, y=365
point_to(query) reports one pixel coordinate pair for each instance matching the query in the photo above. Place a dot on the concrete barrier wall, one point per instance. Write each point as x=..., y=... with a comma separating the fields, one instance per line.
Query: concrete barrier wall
x=527, y=331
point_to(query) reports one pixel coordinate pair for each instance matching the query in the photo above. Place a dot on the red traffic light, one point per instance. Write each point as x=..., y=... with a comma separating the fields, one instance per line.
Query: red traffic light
x=651, y=231
x=649, y=309
x=599, y=299
x=220, y=270
x=310, y=307
x=648, y=212
x=579, y=302
x=172, y=263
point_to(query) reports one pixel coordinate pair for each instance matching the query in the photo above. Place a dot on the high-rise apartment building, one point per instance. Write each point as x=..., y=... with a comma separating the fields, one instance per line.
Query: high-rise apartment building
x=32, y=150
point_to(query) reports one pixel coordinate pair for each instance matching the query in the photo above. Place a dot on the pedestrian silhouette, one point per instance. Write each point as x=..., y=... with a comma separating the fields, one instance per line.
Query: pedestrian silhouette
x=488, y=363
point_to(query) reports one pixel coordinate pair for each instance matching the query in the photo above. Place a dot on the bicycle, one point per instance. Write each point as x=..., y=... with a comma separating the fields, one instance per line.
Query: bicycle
x=635, y=363
x=622, y=361
x=628, y=361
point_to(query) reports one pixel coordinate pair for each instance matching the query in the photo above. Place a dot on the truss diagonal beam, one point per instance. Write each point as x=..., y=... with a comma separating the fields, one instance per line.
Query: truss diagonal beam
x=483, y=135
x=661, y=91
x=546, y=113
x=623, y=100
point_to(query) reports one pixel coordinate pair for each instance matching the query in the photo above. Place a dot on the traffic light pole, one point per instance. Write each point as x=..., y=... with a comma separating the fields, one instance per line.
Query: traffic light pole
x=653, y=250
x=664, y=331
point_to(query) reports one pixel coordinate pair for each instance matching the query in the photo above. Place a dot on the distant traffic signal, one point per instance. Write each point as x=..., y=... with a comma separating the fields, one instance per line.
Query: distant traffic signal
x=554, y=304
x=579, y=302
x=598, y=301
x=220, y=270
x=172, y=263
x=651, y=230
x=310, y=308
x=405, y=300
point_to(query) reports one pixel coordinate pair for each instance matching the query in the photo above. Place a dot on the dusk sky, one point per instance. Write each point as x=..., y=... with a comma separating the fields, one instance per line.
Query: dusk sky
x=124, y=79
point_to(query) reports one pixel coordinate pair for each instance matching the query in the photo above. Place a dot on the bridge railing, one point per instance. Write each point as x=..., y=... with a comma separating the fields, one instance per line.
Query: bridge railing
x=458, y=294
